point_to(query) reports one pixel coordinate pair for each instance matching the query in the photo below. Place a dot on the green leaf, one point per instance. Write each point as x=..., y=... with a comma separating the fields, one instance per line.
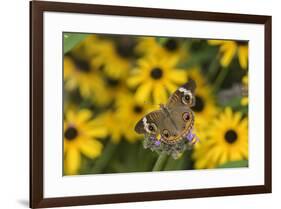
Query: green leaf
x=161, y=40
x=72, y=39
x=235, y=164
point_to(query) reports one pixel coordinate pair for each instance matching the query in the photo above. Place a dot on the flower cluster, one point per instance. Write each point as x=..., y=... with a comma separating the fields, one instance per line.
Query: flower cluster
x=175, y=149
x=112, y=81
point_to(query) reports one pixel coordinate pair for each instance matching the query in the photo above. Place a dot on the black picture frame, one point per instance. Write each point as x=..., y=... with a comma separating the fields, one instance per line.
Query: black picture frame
x=37, y=8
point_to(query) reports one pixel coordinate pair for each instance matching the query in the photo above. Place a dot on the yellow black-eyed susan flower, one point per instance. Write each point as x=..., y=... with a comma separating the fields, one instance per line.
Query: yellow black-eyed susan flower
x=80, y=136
x=130, y=112
x=114, y=89
x=229, y=49
x=205, y=107
x=113, y=123
x=85, y=50
x=114, y=57
x=155, y=77
x=78, y=74
x=169, y=47
x=88, y=47
x=227, y=140
x=147, y=45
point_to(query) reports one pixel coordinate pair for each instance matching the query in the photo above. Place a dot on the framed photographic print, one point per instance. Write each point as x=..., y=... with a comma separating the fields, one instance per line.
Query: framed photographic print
x=138, y=104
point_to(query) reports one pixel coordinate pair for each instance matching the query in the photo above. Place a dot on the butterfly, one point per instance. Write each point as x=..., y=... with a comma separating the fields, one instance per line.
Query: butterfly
x=174, y=121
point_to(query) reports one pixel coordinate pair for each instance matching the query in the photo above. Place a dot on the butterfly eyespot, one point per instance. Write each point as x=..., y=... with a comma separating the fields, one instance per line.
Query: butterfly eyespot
x=187, y=98
x=152, y=127
x=186, y=116
x=166, y=133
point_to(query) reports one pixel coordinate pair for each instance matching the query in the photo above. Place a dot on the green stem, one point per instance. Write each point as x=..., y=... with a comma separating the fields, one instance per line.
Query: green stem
x=220, y=78
x=159, y=164
x=213, y=68
x=104, y=159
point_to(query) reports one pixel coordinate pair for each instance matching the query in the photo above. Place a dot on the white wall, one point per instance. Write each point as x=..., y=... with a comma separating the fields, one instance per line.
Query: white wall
x=14, y=107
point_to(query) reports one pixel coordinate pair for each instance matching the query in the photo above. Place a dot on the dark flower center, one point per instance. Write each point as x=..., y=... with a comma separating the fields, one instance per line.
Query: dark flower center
x=125, y=49
x=138, y=109
x=112, y=82
x=156, y=73
x=230, y=136
x=242, y=43
x=81, y=65
x=71, y=133
x=199, y=104
x=171, y=45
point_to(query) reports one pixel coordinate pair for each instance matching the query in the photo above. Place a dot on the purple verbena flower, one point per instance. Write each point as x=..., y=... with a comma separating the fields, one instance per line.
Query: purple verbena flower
x=157, y=143
x=190, y=136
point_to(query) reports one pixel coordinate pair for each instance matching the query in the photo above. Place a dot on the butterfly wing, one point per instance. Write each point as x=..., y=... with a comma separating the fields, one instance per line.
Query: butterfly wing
x=180, y=118
x=183, y=96
x=151, y=123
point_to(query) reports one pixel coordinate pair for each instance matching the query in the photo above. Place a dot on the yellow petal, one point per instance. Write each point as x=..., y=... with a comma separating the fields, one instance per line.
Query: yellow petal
x=228, y=114
x=171, y=61
x=90, y=148
x=144, y=63
x=143, y=92
x=228, y=53
x=158, y=137
x=243, y=56
x=236, y=118
x=116, y=136
x=72, y=161
x=99, y=132
x=245, y=80
x=68, y=67
x=135, y=80
x=83, y=116
x=85, y=89
x=200, y=163
x=215, y=42
x=244, y=151
x=159, y=94
x=216, y=154
x=244, y=101
x=65, y=126
x=65, y=146
x=223, y=157
x=70, y=116
x=235, y=155
x=177, y=76
x=171, y=86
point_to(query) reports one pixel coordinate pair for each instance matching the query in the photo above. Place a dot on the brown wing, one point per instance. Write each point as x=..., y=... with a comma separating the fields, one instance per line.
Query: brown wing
x=151, y=123
x=178, y=97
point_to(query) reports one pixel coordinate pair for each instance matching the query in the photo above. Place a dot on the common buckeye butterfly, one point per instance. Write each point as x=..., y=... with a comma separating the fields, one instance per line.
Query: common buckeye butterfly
x=173, y=123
